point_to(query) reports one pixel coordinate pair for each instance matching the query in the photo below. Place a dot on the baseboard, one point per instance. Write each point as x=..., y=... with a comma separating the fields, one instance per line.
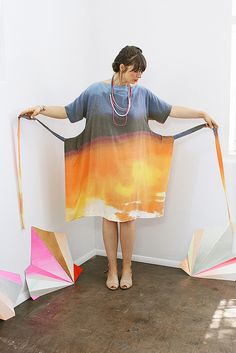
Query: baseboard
x=86, y=257
x=145, y=259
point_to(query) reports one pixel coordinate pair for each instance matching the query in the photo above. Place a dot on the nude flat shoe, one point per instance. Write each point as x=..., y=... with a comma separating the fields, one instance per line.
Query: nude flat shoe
x=126, y=281
x=113, y=282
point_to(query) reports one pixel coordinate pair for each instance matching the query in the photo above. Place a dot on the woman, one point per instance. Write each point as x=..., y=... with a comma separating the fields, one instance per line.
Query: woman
x=114, y=106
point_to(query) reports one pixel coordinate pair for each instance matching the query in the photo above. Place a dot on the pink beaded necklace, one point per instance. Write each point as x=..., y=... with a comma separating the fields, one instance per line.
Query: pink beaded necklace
x=115, y=104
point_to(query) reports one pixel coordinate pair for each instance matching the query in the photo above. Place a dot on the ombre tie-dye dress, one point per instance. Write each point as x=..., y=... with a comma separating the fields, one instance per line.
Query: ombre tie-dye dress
x=119, y=173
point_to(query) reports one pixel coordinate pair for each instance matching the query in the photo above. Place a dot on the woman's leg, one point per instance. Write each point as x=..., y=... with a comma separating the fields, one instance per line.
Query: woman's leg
x=110, y=238
x=127, y=239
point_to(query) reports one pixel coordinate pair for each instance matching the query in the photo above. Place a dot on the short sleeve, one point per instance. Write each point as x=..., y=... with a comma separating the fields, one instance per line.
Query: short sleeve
x=157, y=109
x=77, y=110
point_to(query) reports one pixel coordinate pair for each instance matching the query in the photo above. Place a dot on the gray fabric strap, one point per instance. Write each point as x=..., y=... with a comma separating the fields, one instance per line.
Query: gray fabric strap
x=189, y=131
x=46, y=127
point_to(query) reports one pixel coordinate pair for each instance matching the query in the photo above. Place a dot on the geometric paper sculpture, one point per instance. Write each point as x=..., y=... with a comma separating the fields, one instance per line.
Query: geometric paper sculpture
x=10, y=287
x=51, y=267
x=211, y=252
x=210, y=255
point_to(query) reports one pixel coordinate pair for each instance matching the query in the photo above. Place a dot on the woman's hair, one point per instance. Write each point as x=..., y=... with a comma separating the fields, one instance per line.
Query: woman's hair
x=130, y=55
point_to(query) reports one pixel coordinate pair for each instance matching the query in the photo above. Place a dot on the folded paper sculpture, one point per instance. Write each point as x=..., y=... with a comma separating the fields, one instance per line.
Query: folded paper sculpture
x=51, y=267
x=10, y=287
x=210, y=253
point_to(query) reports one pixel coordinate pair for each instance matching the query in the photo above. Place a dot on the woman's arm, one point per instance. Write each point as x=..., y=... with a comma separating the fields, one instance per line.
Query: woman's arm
x=57, y=112
x=189, y=113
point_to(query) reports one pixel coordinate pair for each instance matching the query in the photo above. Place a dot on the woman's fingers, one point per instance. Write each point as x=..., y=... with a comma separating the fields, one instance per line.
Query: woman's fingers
x=33, y=114
x=214, y=124
x=30, y=112
x=210, y=122
x=26, y=112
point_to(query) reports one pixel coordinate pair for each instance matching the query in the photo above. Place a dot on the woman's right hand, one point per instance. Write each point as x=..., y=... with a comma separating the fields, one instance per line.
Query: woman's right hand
x=32, y=112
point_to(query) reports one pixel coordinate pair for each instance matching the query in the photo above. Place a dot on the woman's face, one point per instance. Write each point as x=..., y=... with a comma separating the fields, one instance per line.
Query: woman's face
x=129, y=76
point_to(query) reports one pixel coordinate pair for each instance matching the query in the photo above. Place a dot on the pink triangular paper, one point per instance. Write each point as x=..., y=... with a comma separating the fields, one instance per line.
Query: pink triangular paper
x=14, y=277
x=31, y=270
x=41, y=257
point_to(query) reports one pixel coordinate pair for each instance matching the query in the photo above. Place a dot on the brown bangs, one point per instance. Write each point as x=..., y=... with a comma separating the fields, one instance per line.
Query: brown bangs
x=139, y=62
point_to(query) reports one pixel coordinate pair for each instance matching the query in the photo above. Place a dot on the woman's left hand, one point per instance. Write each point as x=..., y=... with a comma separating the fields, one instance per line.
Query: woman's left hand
x=210, y=122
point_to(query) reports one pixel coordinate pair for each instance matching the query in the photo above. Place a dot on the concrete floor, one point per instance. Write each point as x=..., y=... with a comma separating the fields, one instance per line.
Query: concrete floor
x=165, y=311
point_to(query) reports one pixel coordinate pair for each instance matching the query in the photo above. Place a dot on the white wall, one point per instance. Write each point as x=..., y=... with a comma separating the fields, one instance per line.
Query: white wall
x=53, y=50
x=46, y=55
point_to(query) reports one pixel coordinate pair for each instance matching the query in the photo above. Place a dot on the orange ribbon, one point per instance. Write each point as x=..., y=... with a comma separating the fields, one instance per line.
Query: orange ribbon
x=19, y=177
